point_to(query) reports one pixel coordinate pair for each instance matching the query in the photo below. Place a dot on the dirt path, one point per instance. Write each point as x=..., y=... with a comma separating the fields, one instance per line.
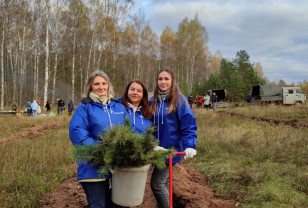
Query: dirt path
x=32, y=132
x=190, y=191
x=291, y=122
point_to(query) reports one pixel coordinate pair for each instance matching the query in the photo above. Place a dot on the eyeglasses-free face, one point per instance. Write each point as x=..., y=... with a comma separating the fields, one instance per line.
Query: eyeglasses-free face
x=135, y=94
x=164, y=81
x=100, y=86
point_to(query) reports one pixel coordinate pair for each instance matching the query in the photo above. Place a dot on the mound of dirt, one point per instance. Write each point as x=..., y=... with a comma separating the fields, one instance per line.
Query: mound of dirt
x=32, y=133
x=190, y=191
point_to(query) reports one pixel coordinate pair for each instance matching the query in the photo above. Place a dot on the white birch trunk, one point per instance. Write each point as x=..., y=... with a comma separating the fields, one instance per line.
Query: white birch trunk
x=53, y=99
x=46, y=59
x=2, y=70
x=14, y=74
x=89, y=60
x=35, y=74
x=23, y=66
x=73, y=66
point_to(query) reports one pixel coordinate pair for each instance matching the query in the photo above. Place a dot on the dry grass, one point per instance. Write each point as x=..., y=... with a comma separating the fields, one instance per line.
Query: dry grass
x=260, y=164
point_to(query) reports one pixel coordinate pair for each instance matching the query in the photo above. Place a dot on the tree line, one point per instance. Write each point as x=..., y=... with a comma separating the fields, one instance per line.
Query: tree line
x=48, y=48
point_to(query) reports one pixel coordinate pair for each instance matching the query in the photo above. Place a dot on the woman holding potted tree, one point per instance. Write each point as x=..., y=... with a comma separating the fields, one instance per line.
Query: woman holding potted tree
x=97, y=113
x=175, y=128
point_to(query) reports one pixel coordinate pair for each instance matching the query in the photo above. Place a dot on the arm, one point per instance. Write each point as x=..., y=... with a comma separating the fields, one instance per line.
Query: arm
x=187, y=125
x=79, y=129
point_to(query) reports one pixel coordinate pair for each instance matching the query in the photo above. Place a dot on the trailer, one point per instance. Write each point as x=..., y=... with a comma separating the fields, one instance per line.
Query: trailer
x=265, y=94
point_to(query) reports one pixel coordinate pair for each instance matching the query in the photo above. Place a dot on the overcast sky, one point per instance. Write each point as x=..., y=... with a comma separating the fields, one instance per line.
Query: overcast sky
x=273, y=32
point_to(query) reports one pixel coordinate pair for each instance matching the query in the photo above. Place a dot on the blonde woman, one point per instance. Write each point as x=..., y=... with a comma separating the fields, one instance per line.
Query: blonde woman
x=97, y=113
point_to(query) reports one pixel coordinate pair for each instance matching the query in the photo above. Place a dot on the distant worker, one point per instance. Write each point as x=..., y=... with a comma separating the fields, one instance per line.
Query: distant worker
x=70, y=107
x=34, y=107
x=200, y=101
x=48, y=108
x=61, y=106
x=29, y=109
x=15, y=106
x=190, y=100
x=214, y=101
x=206, y=102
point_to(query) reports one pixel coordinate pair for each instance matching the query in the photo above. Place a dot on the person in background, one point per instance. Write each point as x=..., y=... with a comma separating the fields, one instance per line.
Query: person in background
x=38, y=101
x=190, y=100
x=200, y=101
x=135, y=99
x=29, y=109
x=70, y=107
x=97, y=113
x=15, y=106
x=214, y=101
x=175, y=128
x=47, y=106
x=34, y=107
x=206, y=99
x=61, y=106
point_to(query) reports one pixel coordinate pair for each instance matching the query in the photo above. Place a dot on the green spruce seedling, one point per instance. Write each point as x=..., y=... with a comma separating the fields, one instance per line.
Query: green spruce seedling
x=119, y=147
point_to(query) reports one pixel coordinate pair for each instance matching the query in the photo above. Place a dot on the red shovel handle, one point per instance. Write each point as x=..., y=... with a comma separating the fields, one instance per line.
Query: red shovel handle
x=170, y=176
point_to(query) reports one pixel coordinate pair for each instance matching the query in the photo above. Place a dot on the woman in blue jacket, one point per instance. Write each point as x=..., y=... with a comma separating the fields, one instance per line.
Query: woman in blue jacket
x=175, y=128
x=135, y=99
x=97, y=113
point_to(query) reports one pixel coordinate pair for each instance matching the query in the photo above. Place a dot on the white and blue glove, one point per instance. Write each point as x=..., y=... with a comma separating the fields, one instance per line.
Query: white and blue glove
x=159, y=148
x=189, y=153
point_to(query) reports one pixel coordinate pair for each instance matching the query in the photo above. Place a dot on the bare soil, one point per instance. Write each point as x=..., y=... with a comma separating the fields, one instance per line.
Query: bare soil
x=190, y=190
x=31, y=133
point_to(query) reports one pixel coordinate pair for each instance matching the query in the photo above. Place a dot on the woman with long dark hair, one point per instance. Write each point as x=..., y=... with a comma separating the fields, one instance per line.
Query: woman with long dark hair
x=135, y=99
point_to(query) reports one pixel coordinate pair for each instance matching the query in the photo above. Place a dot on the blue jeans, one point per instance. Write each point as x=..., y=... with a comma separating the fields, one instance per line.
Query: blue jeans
x=160, y=186
x=98, y=194
x=34, y=113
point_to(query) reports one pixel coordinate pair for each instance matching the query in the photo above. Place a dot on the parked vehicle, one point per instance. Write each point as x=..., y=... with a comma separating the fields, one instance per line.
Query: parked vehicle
x=265, y=94
x=222, y=101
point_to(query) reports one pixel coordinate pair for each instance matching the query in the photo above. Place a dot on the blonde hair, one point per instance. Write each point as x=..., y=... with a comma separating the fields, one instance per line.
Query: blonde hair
x=88, y=87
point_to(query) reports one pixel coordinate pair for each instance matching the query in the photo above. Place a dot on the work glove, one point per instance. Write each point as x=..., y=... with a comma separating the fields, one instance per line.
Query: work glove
x=159, y=148
x=189, y=153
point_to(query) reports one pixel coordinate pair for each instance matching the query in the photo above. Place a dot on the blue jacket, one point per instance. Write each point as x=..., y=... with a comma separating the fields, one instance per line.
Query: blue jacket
x=89, y=121
x=176, y=130
x=138, y=122
x=34, y=106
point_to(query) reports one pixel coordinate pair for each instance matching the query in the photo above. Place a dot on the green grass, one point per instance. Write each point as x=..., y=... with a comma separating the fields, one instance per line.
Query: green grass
x=30, y=168
x=258, y=164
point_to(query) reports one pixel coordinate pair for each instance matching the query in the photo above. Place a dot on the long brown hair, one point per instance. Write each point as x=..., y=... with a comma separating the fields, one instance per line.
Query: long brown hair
x=174, y=95
x=144, y=103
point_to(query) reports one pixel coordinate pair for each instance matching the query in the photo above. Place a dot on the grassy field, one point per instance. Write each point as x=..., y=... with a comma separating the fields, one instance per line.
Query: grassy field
x=277, y=111
x=259, y=164
x=30, y=168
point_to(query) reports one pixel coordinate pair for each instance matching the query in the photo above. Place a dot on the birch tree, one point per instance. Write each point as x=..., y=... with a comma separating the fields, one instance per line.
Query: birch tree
x=46, y=80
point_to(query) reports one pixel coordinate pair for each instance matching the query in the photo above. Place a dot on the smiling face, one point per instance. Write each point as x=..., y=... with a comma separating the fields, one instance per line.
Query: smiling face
x=164, y=81
x=99, y=86
x=135, y=94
